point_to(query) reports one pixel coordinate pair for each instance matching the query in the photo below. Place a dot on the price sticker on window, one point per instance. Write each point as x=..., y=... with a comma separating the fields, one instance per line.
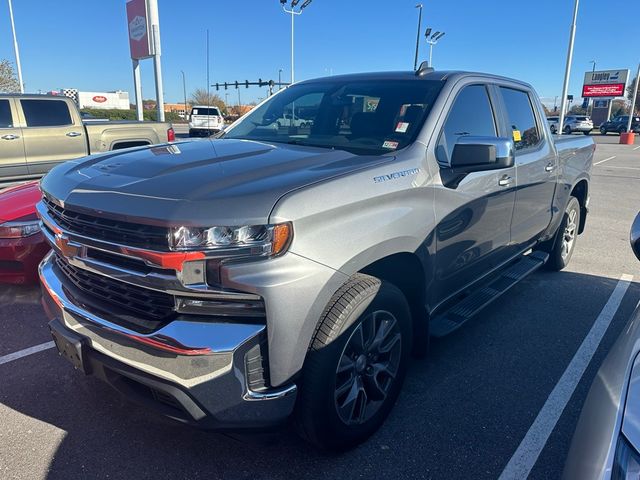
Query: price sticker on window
x=516, y=136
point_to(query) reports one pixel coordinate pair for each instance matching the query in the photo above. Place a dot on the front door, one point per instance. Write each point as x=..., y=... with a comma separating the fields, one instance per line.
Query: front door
x=474, y=217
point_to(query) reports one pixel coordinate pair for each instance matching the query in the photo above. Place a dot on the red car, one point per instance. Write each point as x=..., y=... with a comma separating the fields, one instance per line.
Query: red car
x=22, y=244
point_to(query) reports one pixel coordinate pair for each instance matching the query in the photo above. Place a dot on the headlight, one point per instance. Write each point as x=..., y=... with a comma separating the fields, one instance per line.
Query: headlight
x=262, y=240
x=626, y=464
x=19, y=229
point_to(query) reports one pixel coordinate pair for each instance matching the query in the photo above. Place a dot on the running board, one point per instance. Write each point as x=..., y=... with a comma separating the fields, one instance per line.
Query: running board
x=467, y=308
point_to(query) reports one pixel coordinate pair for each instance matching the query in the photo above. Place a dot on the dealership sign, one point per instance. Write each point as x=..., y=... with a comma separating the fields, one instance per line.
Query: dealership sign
x=138, y=19
x=99, y=99
x=605, y=83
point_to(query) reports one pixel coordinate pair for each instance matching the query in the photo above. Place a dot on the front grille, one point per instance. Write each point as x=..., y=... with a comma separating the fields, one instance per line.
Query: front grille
x=116, y=231
x=143, y=303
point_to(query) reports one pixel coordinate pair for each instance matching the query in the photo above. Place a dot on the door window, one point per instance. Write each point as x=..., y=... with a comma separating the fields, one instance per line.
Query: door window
x=46, y=113
x=521, y=118
x=470, y=114
x=6, y=121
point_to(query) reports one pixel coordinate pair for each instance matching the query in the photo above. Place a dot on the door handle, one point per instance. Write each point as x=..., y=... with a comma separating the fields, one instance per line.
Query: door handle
x=550, y=167
x=505, y=181
x=10, y=136
x=73, y=134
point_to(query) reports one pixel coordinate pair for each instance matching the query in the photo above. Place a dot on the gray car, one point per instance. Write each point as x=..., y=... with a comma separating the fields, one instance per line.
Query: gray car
x=291, y=271
x=606, y=443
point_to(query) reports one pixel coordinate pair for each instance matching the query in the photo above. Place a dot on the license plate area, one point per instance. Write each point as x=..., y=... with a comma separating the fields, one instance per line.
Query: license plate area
x=70, y=346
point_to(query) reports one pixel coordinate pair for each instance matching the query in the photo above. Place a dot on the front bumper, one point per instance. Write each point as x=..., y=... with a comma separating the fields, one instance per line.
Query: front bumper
x=195, y=372
x=19, y=258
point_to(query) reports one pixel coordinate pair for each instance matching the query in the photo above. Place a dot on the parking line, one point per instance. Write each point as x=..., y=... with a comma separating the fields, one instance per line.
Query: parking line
x=635, y=148
x=605, y=160
x=528, y=451
x=26, y=352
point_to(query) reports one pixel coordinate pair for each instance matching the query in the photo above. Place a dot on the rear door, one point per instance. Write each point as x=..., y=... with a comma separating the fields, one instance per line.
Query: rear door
x=51, y=133
x=536, y=165
x=474, y=216
x=12, y=161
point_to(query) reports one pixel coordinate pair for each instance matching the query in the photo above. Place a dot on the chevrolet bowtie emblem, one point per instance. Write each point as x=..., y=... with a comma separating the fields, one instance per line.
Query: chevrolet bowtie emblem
x=64, y=247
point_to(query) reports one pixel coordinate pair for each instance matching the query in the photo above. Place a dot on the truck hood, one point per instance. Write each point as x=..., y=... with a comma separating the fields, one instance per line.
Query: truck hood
x=197, y=183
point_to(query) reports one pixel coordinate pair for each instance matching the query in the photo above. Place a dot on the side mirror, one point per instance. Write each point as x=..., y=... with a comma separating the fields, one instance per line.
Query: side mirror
x=635, y=236
x=477, y=154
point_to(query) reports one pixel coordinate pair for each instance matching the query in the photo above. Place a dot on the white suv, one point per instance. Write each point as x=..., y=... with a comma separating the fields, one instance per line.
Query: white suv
x=205, y=120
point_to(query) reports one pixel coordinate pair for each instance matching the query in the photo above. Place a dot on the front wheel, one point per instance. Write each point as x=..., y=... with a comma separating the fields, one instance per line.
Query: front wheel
x=567, y=130
x=356, y=364
x=553, y=129
x=603, y=130
x=564, y=242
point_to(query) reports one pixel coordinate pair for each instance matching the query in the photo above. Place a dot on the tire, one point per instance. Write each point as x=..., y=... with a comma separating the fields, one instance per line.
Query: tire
x=603, y=130
x=587, y=133
x=561, y=248
x=553, y=129
x=332, y=412
x=567, y=130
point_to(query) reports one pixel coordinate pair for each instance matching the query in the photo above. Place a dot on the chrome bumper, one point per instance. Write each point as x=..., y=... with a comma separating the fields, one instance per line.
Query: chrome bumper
x=204, y=360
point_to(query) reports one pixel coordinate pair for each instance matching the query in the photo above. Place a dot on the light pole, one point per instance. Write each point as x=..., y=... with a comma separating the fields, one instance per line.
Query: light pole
x=15, y=47
x=184, y=91
x=432, y=40
x=279, y=79
x=415, y=61
x=633, y=99
x=594, y=65
x=567, y=71
x=293, y=13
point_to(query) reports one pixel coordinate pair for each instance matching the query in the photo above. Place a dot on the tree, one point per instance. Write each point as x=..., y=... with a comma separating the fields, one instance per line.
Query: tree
x=630, y=89
x=8, y=80
x=201, y=97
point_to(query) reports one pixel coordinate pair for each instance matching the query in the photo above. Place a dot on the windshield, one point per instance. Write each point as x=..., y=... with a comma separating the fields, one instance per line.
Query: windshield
x=205, y=111
x=363, y=117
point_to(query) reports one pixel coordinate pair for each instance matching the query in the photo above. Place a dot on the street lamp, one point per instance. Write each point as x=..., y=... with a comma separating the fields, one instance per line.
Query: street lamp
x=279, y=79
x=567, y=69
x=415, y=61
x=184, y=91
x=432, y=40
x=594, y=65
x=293, y=13
x=15, y=47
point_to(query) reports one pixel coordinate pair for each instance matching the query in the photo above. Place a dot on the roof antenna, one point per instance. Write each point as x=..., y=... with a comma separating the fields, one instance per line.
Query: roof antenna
x=423, y=69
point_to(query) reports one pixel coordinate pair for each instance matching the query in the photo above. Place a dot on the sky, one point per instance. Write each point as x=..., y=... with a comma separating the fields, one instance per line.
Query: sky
x=83, y=44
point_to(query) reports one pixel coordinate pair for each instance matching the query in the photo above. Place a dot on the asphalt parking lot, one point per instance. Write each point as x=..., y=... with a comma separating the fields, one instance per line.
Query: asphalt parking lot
x=463, y=413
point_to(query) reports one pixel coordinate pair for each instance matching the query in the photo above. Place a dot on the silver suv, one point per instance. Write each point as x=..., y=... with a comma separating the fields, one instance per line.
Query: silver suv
x=578, y=123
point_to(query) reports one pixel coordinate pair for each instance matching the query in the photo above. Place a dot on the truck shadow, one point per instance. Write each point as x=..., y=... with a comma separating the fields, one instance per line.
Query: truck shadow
x=464, y=408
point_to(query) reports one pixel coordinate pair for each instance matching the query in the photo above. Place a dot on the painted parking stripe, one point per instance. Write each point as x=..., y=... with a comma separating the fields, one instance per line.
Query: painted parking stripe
x=605, y=160
x=536, y=438
x=635, y=148
x=26, y=352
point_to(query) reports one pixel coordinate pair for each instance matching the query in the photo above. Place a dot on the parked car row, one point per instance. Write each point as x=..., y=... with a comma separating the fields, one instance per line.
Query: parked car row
x=619, y=125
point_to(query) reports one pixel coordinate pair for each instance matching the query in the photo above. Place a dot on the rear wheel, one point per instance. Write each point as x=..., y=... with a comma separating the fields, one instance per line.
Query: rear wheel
x=564, y=242
x=603, y=130
x=356, y=366
x=567, y=130
x=553, y=129
x=587, y=133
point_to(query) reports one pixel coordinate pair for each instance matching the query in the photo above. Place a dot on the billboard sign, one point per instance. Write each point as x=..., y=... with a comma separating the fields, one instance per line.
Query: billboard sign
x=139, y=37
x=605, y=83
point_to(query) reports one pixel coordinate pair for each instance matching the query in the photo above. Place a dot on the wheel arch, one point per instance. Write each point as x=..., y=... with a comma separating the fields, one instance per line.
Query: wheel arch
x=406, y=271
x=581, y=192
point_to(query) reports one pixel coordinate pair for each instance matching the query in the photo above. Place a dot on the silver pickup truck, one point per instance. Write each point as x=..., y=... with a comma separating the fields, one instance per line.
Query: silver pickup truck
x=291, y=271
x=40, y=131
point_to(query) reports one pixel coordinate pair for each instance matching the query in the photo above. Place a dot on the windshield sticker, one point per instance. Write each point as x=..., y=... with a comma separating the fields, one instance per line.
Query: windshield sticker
x=390, y=144
x=516, y=136
x=402, y=127
x=395, y=175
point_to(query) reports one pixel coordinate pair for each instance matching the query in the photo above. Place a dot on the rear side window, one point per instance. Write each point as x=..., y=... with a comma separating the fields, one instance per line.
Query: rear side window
x=521, y=118
x=46, y=113
x=6, y=121
x=470, y=114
